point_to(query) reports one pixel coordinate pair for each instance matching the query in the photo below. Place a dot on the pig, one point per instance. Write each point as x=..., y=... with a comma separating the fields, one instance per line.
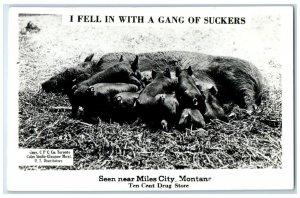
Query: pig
x=189, y=87
x=120, y=72
x=208, y=88
x=64, y=81
x=109, y=90
x=167, y=106
x=187, y=92
x=99, y=97
x=238, y=81
x=162, y=83
x=148, y=103
x=191, y=118
x=89, y=58
x=214, y=110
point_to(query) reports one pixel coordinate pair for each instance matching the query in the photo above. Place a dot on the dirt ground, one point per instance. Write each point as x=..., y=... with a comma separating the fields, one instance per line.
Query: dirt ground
x=55, y=47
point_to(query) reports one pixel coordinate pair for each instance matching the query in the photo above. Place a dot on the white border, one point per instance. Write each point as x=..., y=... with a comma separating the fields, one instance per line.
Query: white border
x=264, y=179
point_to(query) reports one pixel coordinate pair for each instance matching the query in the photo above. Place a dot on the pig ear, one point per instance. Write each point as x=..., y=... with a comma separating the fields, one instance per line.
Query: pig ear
x=195, y=102
x=153, y=74
x=91, y=89
x=177, y=71
x=74, y=88
x=89, y=58
x=121, y=58
x=213, y=90
x=74, y=80
x=189, y=70
x=168, y=73
x=135, y=65
x=119, y=99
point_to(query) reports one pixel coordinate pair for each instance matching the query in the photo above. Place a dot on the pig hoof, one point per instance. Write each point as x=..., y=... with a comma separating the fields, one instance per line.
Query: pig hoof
x=249, y=112
x=232, y=115
x=164, y=125
x=250, y=109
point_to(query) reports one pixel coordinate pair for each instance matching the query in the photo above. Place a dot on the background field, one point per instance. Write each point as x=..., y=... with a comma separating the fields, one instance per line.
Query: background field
x=245, y=142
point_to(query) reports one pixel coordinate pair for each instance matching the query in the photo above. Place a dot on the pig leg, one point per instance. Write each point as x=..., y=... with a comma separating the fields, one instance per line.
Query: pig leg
x=89, y=116
x=248, y=101
x=164, y=125
x=74, y=110
x=75, y=107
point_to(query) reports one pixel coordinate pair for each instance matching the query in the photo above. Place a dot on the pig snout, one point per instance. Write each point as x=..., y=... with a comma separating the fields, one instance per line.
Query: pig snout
x=49, y=85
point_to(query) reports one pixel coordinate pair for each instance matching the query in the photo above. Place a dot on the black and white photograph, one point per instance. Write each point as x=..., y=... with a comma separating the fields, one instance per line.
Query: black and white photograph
x=165, y=89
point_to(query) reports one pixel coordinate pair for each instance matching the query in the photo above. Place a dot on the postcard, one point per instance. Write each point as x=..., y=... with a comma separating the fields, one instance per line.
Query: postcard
x=142, y=99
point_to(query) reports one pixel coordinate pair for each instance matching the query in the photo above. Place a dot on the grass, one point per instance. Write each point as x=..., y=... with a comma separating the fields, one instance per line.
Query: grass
x=244, y=142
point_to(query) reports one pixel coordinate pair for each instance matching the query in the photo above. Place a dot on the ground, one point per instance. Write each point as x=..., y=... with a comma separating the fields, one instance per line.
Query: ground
x=244, y=142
